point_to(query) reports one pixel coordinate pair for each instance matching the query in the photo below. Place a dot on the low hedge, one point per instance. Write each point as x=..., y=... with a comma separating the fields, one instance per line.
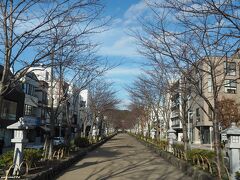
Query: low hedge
x=203, y=152
x=163, y=144
x=81, y=142
x=30, y=156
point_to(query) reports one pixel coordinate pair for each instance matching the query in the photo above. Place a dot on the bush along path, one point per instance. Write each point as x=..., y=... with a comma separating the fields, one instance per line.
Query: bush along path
x=197, y=163
x=34, y=167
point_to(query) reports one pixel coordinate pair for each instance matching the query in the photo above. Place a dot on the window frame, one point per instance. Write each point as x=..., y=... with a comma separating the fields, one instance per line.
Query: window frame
x=229, y=87
x=229, y=69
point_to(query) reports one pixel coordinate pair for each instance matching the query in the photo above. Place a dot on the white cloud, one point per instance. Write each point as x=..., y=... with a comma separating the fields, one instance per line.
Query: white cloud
x=135, y=12
x=136, y=9
x=116, y=42
x=123, y=71
x=124, y=104
x=124, y=46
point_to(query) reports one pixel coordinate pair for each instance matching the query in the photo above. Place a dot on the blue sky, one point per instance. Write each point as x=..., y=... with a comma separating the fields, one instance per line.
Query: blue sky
x=118, y=46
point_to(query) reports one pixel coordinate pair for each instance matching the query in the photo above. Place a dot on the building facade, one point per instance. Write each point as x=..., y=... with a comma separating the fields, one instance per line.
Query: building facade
x=226, y=75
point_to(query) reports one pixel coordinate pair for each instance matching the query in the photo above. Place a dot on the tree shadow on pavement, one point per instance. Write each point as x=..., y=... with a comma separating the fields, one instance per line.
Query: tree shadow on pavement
x=143, y=170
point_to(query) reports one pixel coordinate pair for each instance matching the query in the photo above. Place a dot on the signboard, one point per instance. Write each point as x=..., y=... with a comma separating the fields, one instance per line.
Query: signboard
x=31, y=121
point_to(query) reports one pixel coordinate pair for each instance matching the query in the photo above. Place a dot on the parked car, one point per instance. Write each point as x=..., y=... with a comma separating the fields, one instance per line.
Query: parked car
x=58, y=141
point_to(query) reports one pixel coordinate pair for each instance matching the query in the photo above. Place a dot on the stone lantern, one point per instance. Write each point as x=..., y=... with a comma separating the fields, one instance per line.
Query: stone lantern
x=153, y=133
x=233, y=148
x=19, y=139
x=171, y=138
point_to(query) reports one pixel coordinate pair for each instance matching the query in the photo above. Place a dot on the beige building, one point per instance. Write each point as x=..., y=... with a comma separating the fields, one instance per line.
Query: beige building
x=226, y=78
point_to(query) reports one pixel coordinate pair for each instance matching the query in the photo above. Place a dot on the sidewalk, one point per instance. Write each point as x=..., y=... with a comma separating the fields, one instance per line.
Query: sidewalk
x=123, y=157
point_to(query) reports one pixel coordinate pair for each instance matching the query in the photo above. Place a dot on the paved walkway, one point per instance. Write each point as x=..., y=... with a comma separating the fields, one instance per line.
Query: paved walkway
x=122, y=157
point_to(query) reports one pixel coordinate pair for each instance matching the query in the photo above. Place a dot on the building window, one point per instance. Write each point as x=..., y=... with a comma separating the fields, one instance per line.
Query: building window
x=47, y=76
x=28, y=89
x=230, y=86
x=210, y=85
x=210, y=114
x=82, y=104
x=197, y=112
x=230, y=68
x=44, y=97
x=9, y=109
x=198, y=115
x=28, y=110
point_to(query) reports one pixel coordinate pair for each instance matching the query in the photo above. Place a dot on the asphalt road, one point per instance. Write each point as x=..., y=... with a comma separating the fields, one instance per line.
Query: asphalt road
x=122, y=157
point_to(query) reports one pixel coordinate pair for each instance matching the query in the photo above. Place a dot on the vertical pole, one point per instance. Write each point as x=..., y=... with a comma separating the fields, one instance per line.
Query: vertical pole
x=60, y=130
x=188, y=130
x=211, y=145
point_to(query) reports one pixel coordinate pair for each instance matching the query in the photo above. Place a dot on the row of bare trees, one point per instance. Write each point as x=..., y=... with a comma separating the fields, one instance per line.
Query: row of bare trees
x=55, y=34
x=102, y=100
x=191, y=39
x=150, y=99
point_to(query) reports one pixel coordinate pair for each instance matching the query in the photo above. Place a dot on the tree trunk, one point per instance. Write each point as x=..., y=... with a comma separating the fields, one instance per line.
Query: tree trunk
x=52, y=114
x=216, y=140
x=92, y=124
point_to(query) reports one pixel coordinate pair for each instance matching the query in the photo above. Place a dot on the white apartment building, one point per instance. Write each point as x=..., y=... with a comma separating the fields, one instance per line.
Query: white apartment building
x=35, y=104
x=72, y=103
x=176, y=110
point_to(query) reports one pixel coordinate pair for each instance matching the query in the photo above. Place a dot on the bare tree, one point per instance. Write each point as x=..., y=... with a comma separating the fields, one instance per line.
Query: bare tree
x=55, y=34
x=228, y=112
x=197, y=48
x=74, y=66
x=102, y=97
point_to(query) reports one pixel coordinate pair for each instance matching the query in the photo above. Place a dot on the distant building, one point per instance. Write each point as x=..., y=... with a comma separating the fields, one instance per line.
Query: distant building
x=35, y=105
x=71, y=103
x=176, y=109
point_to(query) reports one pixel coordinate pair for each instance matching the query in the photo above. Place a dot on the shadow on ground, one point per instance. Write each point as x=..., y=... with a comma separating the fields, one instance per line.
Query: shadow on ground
x=123, y=158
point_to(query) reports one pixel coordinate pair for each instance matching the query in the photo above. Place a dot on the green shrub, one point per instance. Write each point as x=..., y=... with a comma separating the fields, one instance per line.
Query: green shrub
x=60, y=146
x=6, y=159
x=203, y=152
x=163, y=144
x=178, y=146
x=30, y=156
x=81, y=141
x=237, y=175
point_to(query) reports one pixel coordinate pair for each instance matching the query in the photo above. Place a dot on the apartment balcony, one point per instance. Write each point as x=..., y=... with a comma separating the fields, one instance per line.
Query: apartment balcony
x=176, y=124
x=31, y=100
x=175, y=115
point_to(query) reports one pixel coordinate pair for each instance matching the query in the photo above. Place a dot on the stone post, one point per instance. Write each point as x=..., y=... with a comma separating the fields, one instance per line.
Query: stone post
x=153, y=133
x=233, y=148
x=171, y=138
x=19, y=139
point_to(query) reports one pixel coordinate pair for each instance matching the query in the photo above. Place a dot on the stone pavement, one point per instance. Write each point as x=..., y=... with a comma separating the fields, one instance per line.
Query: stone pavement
x=122, y=157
